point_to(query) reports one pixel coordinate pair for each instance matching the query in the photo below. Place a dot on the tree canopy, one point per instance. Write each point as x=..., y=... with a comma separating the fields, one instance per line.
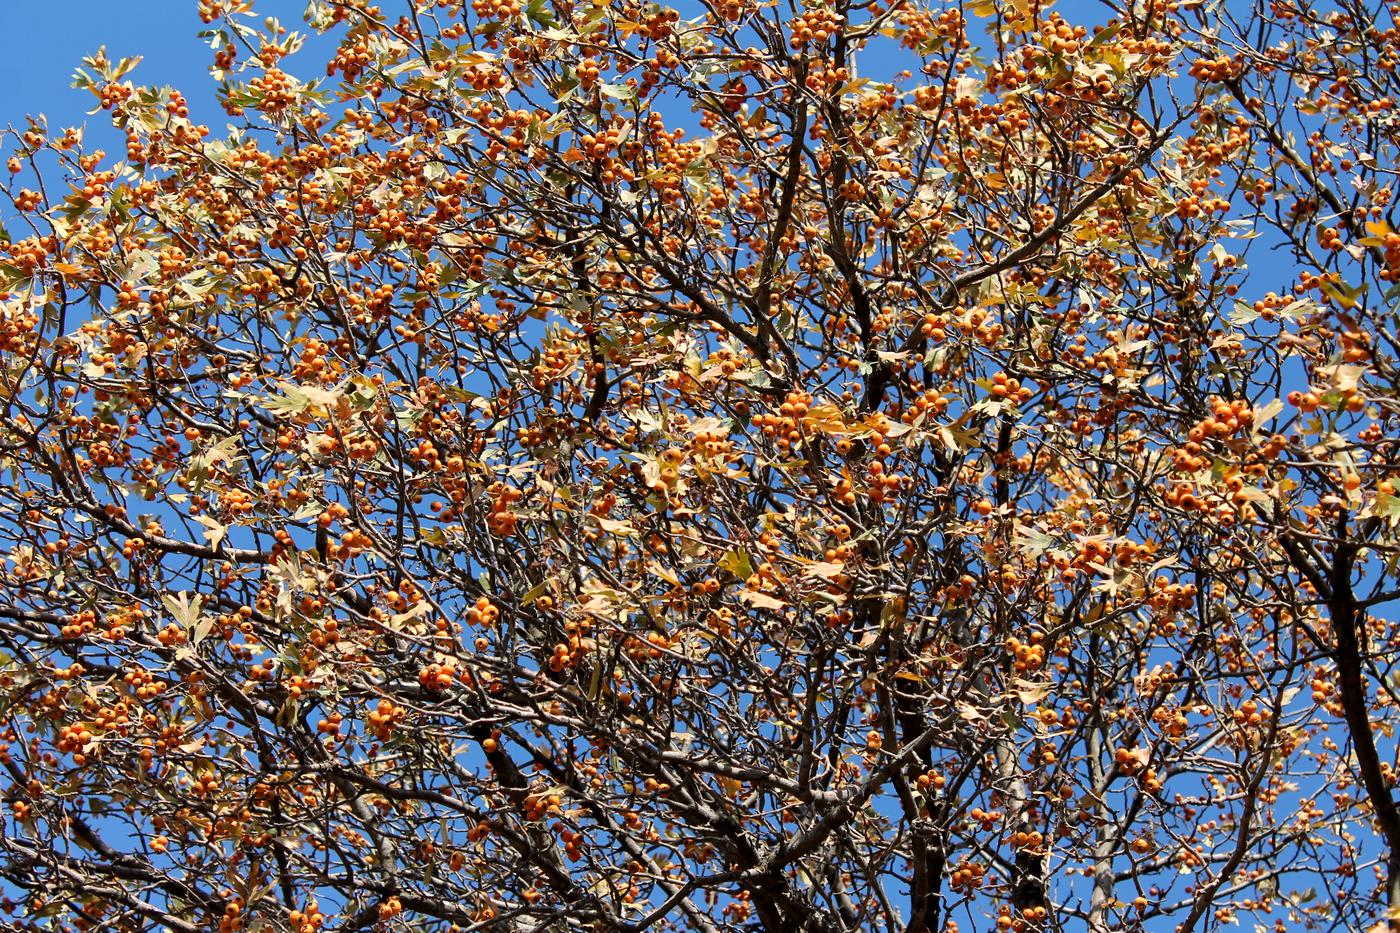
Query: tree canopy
x=809, y=466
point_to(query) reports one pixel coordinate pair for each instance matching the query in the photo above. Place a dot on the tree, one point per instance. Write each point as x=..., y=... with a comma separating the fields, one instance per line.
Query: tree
x=600, y=466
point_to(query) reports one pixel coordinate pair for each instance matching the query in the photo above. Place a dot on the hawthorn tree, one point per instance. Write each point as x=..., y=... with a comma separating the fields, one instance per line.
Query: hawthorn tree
x=746, y=466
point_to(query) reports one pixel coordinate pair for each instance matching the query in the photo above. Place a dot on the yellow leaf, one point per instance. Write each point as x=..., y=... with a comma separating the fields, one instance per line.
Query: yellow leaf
x=826, y=418
x=1340, y=294
x=761, y=600
x=663, y=573
x=614, y=527
x=825, y=569
x=1030, y=692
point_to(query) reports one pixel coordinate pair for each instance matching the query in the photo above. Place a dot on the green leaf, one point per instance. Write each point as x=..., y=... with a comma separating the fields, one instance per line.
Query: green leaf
x=185, y=609
x=296, y=399
x=737, y=563
x=534, y=593
x=618, y=91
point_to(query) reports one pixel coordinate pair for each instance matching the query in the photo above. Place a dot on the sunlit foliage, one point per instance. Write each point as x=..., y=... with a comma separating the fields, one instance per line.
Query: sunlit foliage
x=601, y=466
